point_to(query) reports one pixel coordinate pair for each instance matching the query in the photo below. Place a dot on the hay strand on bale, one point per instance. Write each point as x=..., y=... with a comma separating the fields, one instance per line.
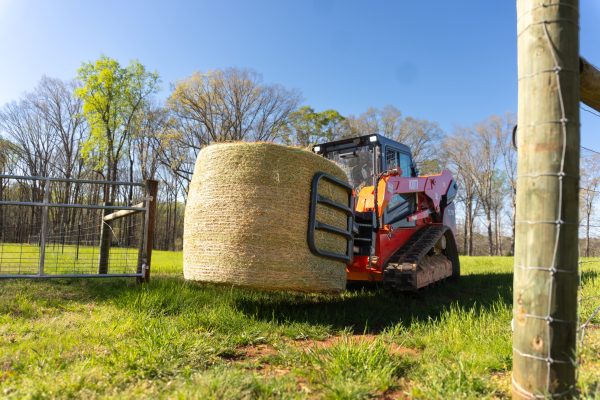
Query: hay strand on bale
x=246, y=219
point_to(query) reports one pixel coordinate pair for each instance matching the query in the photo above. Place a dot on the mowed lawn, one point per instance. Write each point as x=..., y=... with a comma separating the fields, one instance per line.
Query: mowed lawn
x=171, y=339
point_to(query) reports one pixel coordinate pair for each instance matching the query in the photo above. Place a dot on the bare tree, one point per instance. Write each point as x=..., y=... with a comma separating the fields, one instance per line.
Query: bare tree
x=457, y=156
x=33, y=137
x=35, y=144
x=474, y=155
x=176, y=155
x=422, y=136
x=231, y=104
x=509, y=161
x=7, y=161
x=62, y=112
x=483, y=166
x=152, y=124
x=367, y=123
x=588, y=193
x=498, y=201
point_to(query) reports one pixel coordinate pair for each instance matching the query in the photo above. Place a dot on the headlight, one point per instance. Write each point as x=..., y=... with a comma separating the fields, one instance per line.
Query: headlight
x=317, y=149
x=372, y=138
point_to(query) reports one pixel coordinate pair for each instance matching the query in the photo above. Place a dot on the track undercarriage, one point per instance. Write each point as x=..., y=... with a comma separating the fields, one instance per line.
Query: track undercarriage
x=429, y=257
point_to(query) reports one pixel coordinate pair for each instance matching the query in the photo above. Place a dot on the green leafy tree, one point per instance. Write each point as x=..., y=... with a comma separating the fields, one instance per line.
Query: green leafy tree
x=334, y=124
x=306, y=126
x=112, y=96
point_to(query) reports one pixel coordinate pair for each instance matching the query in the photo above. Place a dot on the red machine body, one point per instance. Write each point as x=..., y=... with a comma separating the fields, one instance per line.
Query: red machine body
x=429, y=192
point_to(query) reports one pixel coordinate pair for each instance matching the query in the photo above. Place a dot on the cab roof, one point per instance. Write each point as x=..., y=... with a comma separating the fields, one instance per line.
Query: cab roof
x=364, y=140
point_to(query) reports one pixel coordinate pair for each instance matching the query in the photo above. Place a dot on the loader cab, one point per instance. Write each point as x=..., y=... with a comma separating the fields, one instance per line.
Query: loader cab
x=364, y=157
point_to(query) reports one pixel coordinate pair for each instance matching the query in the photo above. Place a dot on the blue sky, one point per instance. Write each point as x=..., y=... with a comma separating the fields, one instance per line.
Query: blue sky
x=449, y=61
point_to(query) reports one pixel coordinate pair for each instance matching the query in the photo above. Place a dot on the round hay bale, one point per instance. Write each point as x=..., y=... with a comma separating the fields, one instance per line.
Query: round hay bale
x=246, y=219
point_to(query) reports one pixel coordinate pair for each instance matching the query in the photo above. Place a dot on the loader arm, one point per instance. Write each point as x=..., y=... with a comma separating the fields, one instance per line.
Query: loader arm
x=430, y=189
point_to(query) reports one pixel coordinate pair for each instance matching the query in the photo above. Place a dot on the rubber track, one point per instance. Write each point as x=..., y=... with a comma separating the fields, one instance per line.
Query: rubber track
x=412, y=252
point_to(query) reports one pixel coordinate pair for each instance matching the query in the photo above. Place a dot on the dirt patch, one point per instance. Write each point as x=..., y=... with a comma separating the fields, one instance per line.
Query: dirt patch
x=258, y=351
x=398, y=350
x=254, y=353
x=258, y=356
x=393, y=394
x=272, y=371
x=5, y=370
x=501, y=379
x=334, y=340
x=394, y=348
x=9, y=337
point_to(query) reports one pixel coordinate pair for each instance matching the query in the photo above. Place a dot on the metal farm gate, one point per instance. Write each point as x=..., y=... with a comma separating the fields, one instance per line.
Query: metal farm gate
x=61, y=228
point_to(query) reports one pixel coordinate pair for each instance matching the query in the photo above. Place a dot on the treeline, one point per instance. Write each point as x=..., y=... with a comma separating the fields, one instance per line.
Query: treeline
x=107, y=124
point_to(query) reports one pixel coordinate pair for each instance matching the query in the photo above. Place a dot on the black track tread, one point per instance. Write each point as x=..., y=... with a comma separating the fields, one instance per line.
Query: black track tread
x=417, y=247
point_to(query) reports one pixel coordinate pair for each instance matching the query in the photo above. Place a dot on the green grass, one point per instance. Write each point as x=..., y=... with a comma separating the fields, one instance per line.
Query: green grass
x=67, y=259
x=171, y=339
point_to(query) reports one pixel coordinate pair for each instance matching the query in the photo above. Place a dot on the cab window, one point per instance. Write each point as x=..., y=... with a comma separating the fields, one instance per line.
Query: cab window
x=405, y=164
x=391, y=159
x=394, y=159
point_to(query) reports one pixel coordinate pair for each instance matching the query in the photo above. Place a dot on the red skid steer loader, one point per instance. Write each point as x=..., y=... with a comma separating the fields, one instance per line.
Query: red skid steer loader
x=401, y=226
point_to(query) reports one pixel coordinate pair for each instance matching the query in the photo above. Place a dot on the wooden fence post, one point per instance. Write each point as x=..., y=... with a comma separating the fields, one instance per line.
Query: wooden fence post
x=105, y=242
x=546, y=237
x=590, y=84
x=150, y=219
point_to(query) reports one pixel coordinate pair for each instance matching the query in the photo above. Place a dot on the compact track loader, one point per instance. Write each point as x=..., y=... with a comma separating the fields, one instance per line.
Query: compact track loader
x=401, y=226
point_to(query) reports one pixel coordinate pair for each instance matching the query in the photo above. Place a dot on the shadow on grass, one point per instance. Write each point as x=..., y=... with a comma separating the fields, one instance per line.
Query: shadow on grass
x=587, y=276
x=360, y=309
x=371, y=309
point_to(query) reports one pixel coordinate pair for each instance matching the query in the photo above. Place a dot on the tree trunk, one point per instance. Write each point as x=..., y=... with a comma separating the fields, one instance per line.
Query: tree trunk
x=466, y=228
x=174, y=222
x=1, y=208
x=512, y=239
x=496, y=233
x=105, y=230
x=465, y=237
x=469, y=225
x=490, y=233
x=587, y=235
x=105, y=239
x=130, y=227
x=65, y=211
x=471, y=234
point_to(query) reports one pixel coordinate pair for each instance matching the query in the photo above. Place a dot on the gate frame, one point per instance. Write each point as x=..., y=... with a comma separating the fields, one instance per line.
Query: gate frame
x=147, y=206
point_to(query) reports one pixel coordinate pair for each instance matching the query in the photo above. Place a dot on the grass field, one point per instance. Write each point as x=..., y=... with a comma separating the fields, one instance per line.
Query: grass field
x=65, y=259
x=171, y=339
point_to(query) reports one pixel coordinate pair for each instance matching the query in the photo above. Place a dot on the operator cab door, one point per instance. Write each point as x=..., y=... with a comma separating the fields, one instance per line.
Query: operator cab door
x=401, y=205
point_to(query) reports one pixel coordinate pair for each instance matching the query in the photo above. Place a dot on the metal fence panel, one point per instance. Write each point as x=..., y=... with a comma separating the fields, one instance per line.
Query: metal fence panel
x=41, y=235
